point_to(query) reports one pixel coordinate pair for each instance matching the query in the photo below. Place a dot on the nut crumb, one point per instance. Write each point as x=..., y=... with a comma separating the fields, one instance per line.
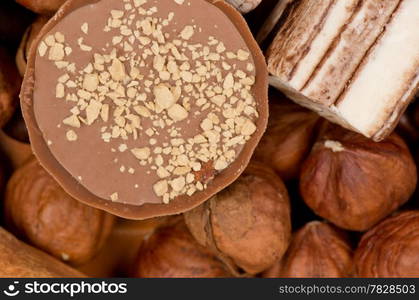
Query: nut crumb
x=71, y=136
x=335, y=146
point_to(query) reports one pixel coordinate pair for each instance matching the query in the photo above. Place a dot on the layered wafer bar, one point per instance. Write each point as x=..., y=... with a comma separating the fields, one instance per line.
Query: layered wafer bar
x=356, y=62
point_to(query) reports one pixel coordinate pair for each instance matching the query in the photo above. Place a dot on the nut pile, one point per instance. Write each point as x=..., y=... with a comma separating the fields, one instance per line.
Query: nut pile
x=316, y=200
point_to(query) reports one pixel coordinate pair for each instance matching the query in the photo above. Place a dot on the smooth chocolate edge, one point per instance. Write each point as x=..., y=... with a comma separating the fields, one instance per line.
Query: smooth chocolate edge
x=182, y=203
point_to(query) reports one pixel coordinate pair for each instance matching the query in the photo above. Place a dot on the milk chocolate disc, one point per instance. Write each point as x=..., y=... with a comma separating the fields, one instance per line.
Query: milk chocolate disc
x=145, y=108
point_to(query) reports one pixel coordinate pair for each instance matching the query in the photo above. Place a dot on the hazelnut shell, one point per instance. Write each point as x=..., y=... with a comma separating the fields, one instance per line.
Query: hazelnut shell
x=172, y=252
x=354, y=182
x=17, y=153
x=20, y=260
x=120, y=251
x=244, y=6
x=9, y=87
x=288, y=137
x=248, y=223
x=318, y=250
x=181, y=203
x=38, y=209
x=391, y=248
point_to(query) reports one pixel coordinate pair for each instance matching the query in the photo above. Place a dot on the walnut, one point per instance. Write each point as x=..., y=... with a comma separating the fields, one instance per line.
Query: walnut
x=354, y=182
x=248, y=223
x=37, y=209
x=391, y=248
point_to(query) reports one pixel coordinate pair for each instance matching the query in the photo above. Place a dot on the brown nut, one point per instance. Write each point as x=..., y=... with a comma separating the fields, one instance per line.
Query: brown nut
x=9, y=87
x=244, y=6
x=408, y=126
x=20, y=260
x=248, y=223
x=16, y=128
x=390, y=249
x=37, y=209
x=119, y=253
x=416, y=114
x=172, y=252
x=288, y=138
x=14, y=19
x=316, y=250
x=354, y=182
x=16, y=152
x=26, y=42
x=46, y=7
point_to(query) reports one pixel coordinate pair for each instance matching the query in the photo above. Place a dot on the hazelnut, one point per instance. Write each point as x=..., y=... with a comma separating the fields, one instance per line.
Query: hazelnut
x=244, y=6
x=354, y=182
x=40, y=211
x=46, y=7
x=26, y=42
x=9, y=87
x=390, y=249
x=16, y=128
x=288, y=138
x=14, y=141
x=248, y=223
x=316, y=250
x=172, y=252
x=120, y=250
x=16, y=152
x=407, y=129
x=20, y=260
x=416, y=114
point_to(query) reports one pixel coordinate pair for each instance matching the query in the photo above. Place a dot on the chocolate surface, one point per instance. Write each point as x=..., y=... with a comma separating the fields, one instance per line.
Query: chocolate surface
x=118, y=170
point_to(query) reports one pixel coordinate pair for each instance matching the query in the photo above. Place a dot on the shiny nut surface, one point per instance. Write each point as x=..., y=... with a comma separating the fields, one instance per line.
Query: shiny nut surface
x=391, y=248
x=355, y=182
x=39, y=211
x=316, y=250
x=248, y=223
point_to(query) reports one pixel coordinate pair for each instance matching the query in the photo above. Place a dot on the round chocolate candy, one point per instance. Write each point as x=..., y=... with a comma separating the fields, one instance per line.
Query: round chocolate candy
x=145, y=108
